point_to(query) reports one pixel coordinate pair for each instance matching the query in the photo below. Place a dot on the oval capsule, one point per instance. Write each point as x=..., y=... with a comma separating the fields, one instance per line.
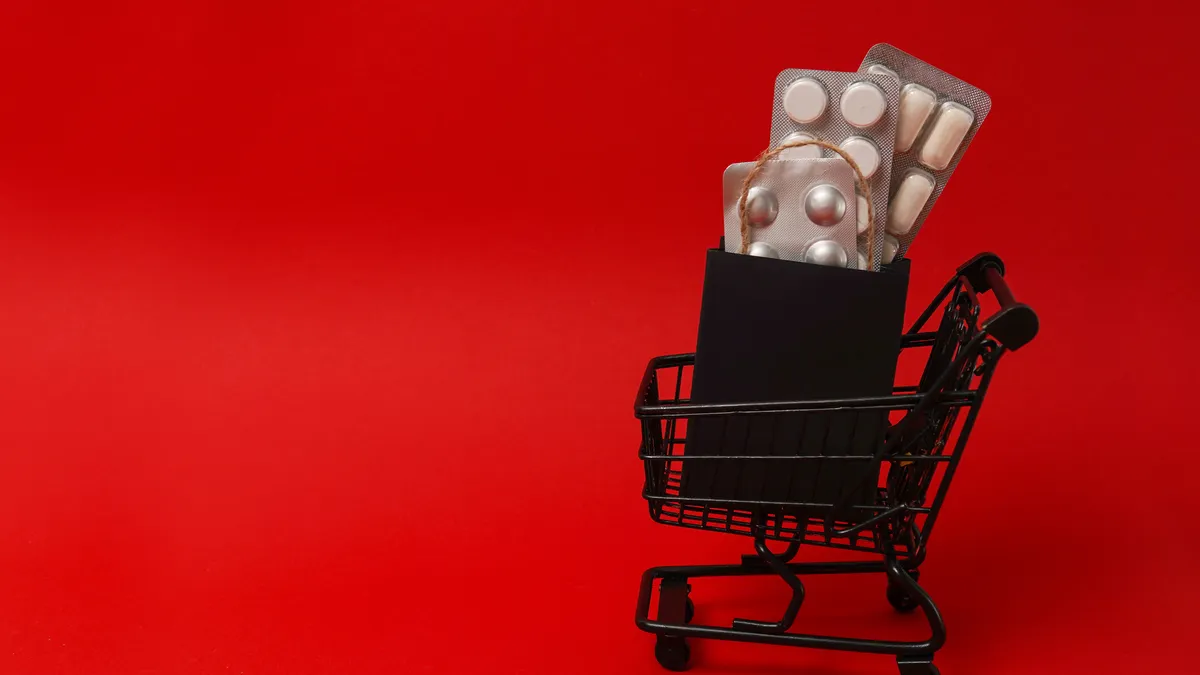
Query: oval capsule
x=916, y=105
x=949, y=129
x=908, y=202
x=891, y=246
x=880, y=69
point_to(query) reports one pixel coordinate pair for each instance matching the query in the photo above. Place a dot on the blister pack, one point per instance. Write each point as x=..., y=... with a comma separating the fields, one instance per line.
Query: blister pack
x=891, y=246
x=802, y=210
x=939, y=114
x=856, y=112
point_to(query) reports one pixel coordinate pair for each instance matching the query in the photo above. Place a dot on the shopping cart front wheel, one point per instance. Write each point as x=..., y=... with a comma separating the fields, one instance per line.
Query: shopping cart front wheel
x=673, y=653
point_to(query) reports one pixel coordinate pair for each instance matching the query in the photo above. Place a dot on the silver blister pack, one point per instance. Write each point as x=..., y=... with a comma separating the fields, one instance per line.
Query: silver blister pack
x=856, y=112
x=798, y=209
x=939, y=114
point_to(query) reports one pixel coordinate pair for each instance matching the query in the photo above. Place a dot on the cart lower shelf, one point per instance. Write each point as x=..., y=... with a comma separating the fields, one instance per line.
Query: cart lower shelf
x=674, y=623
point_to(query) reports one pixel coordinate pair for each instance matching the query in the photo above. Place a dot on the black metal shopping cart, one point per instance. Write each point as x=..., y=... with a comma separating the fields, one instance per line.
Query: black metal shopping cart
x=894, y=492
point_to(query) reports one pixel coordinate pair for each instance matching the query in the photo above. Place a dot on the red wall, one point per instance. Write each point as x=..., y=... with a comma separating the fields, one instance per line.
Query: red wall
x=318, y=335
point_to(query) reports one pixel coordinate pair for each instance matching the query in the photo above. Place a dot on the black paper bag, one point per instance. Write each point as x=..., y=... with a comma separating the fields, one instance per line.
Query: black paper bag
x=777, y=330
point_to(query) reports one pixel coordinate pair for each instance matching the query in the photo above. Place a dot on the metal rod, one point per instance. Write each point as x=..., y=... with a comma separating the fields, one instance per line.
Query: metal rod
x=791, y=458
x=643, y=622
x=747, y=502
x=779, y=567
x=871, y=521
x=899, y=402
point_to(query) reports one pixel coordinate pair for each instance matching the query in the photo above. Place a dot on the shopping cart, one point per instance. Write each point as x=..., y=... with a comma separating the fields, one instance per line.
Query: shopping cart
x=901, y=486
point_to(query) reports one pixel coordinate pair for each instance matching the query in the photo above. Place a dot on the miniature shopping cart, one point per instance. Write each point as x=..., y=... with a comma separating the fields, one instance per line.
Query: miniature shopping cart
x=898, y=487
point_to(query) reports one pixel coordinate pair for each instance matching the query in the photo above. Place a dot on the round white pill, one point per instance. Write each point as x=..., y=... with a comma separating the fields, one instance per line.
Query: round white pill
x=762, y=249
x=761, y=207
x=802, y=152
x=865, y=154
x=824, y=205
x=826, y=252
x=862, y=215
x=804, y=100
x=863, y=104
x=862, y=260
x=890, y=246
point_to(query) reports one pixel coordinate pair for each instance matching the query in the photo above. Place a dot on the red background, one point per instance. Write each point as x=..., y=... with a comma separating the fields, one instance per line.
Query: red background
x=321, y=324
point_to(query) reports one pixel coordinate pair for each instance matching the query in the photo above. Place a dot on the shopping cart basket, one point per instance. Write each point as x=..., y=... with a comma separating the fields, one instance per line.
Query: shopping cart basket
x=899, y=489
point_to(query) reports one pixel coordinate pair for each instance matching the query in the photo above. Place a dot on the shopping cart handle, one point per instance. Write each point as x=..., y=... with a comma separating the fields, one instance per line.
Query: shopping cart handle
x=1015, y=324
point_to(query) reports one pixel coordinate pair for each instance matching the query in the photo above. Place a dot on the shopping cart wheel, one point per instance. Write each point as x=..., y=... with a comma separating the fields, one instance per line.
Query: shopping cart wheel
x=689, y=611
x=900, y=599
x=672, y=653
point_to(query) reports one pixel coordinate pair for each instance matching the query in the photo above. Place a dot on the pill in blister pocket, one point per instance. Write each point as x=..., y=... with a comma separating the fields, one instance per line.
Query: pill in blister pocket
x=890, y=246
x=916, y=104
x=824, y=205
x=826, y=252
x=909, y=200
x=802, y=152
x=863, y=104
x=812, y=197
x=862, y=216
x=857, y=114
x=865, y=154
x=878, y=69
x=805, y=100
x=949, y=128
x=937, y=116
x=761, y=207
x=763, y=250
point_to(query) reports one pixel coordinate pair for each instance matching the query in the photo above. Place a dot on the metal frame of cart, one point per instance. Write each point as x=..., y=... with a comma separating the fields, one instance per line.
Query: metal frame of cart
x=910, y=472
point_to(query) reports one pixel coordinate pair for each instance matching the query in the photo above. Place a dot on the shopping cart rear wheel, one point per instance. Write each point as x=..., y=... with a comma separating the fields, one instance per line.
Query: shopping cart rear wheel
x=899, y=598
x=672, y=653
x=689, y=611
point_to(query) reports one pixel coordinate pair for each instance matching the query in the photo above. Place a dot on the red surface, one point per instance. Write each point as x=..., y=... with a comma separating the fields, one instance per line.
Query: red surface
x=321, y=324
